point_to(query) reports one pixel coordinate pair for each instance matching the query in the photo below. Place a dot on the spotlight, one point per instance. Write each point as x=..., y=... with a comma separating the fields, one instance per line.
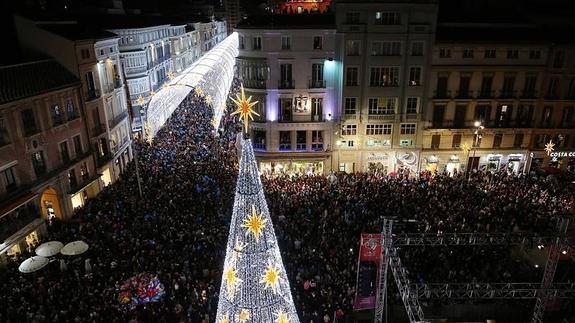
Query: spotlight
x=540, y=246
x=536, y=266
x=564, y=252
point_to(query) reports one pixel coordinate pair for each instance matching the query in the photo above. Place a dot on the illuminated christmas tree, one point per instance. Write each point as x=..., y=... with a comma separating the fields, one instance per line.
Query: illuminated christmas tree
x=254, y=287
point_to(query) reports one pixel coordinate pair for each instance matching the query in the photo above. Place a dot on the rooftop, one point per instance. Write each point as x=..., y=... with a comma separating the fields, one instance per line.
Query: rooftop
x=22, y=80
x=73, y=31
x=499, y=33
x=304, y=21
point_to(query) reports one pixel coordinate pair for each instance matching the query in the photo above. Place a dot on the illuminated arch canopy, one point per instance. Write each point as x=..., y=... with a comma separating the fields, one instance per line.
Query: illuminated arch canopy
x=213, y=73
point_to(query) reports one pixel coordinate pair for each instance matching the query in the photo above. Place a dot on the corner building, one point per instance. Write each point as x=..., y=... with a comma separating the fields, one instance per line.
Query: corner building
x=291, y=65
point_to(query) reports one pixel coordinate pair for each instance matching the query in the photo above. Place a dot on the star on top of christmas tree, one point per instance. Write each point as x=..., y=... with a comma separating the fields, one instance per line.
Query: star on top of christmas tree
x=255, y=224
x=244, y=107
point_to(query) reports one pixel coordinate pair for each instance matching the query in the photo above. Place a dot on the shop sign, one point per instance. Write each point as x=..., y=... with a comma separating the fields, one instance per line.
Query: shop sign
x=515, y=157
x=378, y=156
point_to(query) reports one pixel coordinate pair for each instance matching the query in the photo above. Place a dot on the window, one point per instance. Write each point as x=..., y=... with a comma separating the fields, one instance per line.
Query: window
x=301, y=140
x=530, y=82
x=317, y=42
x=406, y=143
x=534, y=54
x=352, y=17
x=384, y=76
x=414, y=76
x=317, y=73
x=508, y=84
x=490, y=53
x=547, y=114
x=351, y=76
x=65, y=155
x=435, y=141
x=379, y=106
x=72, y=178
x=571, y=90
x=444, y=53
x=57, y=117
x=558, y=59
x=70, y=109
x=456, y=141
x=9, y=178
x=407, y=128
x=29, y=122
x=4, y=137
x=350, y=143
x=285, y=140
x=512, y=53
x=352, y=48
x=242, y=42
x=387, y=18
x=378, y=129
x=286, y=42
x=349, y=130
x=468, y=53
x=78, y=145
x=350, y=106
x=38, y=163
x=417, y=48
x=477, y=140
x=386, y=48
x=518, y=141
x=257, y=43
x=412, y=105
x=497, y=139
x=552, y=88
x=316, y=140
x=84, y=171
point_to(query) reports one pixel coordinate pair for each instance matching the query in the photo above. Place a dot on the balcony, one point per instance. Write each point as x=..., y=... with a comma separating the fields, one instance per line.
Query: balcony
x=441, y=94
x=98, y=130
x=58, y=120
x=464, y=95
x=30, y=131
x=486, y=94
x=285, y=147
x=529, y=95
x=316, y=84
x=349, y=117
x=15, y=221
x=93, y=94
x=317, y=147
x=254, y=84
x=507, y=94
x=380, y=117
x=117, y=119
x=259, y=147
x=286, y=84
x=301, y=147
x=103, y=160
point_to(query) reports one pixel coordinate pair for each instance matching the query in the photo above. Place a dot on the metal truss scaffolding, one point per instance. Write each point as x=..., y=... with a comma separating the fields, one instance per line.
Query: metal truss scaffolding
x=411, y=293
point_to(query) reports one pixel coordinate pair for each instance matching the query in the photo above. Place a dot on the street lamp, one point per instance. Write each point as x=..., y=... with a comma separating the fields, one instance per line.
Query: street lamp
x=477, y=135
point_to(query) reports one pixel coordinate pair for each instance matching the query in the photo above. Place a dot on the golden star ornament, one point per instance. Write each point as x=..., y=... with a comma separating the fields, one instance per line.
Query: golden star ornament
x=254, y=224
x=232, y=280
x=549, y=147
x=271, y=278
x=282, y=317
x=244, y=315
x=244, y=108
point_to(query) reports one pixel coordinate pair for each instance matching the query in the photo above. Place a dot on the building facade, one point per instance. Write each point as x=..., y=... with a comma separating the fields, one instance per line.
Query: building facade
x=93, y=56
x=386, y=50
x=494, y=104
x=294, y=72
x=47, y=168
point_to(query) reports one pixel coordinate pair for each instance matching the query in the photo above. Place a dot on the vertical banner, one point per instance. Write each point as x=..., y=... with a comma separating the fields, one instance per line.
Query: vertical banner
x=368, y=273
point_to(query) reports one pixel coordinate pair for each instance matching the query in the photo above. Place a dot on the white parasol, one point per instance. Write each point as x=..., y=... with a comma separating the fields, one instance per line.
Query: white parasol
x=74, y=248
x=33, y=264
x=49, y=249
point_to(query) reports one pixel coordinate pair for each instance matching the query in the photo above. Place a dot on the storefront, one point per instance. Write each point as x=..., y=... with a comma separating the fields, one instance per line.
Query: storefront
x=292, y=167
x=493, y=162
x=21, y=226
x=378, y=162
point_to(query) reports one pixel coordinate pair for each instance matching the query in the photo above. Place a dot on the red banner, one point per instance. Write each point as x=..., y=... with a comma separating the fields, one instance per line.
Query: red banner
x=368, y=264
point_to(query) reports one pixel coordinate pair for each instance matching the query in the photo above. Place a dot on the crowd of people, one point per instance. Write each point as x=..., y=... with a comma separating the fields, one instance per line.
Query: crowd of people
x=178, y=230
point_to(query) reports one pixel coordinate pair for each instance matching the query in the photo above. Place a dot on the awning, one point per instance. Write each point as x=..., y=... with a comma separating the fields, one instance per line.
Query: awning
x=17, y=202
